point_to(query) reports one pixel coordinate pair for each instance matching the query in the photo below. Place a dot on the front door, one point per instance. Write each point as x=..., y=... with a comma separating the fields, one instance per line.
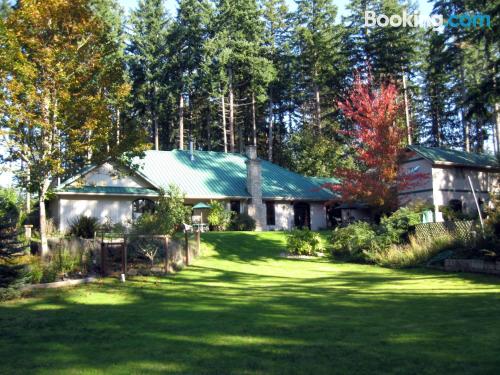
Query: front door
x=302, y=215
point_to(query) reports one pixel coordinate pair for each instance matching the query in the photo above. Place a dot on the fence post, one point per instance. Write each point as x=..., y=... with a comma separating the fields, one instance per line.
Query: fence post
x=198, y=241
x=103, y=258
x=165, y=239
x=186, y=246
x=124, y=256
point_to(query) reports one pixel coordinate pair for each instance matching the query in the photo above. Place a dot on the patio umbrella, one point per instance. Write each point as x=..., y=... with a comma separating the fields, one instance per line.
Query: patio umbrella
x=201, y=206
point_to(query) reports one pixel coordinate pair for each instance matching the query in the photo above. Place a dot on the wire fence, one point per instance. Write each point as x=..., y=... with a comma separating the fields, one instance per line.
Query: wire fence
x=464, y=230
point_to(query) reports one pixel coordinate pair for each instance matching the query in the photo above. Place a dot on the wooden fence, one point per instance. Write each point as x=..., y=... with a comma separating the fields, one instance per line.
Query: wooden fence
x=115, y=254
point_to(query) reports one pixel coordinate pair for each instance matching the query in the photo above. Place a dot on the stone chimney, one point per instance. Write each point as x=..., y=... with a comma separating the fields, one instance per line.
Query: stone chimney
x=256, y=209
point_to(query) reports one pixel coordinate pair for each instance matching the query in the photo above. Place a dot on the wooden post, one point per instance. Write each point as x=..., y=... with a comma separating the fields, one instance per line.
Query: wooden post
x=165, y=238
x=198, y=241
x=103, y=258
x=186, y=247
x=124, y=256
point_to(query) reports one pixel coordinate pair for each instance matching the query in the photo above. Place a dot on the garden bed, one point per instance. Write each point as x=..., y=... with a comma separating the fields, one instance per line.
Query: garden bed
x=61, y=284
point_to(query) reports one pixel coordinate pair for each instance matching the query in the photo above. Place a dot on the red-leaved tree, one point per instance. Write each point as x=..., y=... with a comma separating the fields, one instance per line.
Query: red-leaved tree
x=378, y=138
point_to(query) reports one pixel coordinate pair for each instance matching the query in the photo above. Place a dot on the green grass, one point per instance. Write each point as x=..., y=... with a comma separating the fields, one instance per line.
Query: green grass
x=241, y=309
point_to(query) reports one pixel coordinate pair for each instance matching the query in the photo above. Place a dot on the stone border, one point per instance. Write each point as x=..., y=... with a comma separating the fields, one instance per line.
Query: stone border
x=60, y=284
x=472, y=265
x=290, y=256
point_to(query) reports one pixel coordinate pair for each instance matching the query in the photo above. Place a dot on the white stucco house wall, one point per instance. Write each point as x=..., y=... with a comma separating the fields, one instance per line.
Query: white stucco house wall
x=447, y=180
x=276, y=198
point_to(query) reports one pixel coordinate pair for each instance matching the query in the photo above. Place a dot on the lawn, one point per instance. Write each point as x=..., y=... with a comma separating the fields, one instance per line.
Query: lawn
x=241, y=309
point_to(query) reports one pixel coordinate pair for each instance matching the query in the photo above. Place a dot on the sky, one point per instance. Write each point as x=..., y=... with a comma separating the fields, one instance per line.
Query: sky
x=171, y=5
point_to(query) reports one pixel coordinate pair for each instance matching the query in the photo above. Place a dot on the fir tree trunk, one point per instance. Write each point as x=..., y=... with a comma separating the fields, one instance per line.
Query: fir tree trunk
x=209, y=125
x=270, y=136
x=224, y=132
x=465, y=123
x=407, y=111
x=317, y=107
x=497, y=126
x=254, y=123
x=181, y=122
x=231, y=113
x=155, y=120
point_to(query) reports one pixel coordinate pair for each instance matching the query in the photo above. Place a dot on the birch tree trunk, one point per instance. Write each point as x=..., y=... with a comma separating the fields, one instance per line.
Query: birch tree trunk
x=42, y=195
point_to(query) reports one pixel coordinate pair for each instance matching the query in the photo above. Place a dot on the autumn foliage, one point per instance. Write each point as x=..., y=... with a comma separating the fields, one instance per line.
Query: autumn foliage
x=378, y=140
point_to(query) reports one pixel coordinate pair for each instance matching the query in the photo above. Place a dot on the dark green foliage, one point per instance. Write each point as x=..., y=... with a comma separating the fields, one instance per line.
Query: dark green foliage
x=396, y=228
x=351, y=241
x=168, y=216
x=219, y=218
x=303, y=242
x=358, y=240
x=242, y=221
x=84, y=226
x=12, y=275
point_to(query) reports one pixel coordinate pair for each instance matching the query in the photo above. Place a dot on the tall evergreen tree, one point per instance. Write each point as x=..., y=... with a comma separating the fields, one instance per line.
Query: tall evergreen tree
x=239, y=61
x=187, y=43
x=148, y=64
x=321, y=60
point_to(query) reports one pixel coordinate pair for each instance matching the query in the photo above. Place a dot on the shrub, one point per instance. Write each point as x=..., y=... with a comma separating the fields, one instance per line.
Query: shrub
x=413, y=253
x=352, y=240
x=303, y=242
x=84, y=226
x=242, y=222
x=395, y=229
x=12, y=272
x=168, y=216
x=219, y=218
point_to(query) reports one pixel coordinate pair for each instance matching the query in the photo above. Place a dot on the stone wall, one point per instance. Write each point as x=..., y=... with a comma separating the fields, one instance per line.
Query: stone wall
x=472, y=265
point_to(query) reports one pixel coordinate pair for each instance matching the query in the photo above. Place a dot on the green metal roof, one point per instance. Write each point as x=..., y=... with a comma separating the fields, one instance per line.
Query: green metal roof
x=442, y=155
x=109, y=190
x=219, y=175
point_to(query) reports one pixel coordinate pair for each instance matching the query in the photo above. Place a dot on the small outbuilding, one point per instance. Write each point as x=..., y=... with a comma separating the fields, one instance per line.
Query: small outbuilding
x=447, y=184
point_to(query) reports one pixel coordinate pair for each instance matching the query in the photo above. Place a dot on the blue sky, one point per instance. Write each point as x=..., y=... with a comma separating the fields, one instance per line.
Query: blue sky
x=425, y=7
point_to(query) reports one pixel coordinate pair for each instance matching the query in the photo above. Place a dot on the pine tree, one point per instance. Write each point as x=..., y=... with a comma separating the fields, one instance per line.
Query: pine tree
x=239, y=62
x=147, y=60
x=322, y=63
x=11, y=274
x=187, y=43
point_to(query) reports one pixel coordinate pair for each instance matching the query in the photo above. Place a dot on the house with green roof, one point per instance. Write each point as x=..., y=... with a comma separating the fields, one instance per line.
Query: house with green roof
x=448, y=174
x=274, y=196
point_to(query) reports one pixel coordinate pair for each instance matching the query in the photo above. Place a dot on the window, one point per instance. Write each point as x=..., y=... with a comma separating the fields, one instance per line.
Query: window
x=455, y=205
x=270, y=214
x=235, y=206
x=140, y=206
